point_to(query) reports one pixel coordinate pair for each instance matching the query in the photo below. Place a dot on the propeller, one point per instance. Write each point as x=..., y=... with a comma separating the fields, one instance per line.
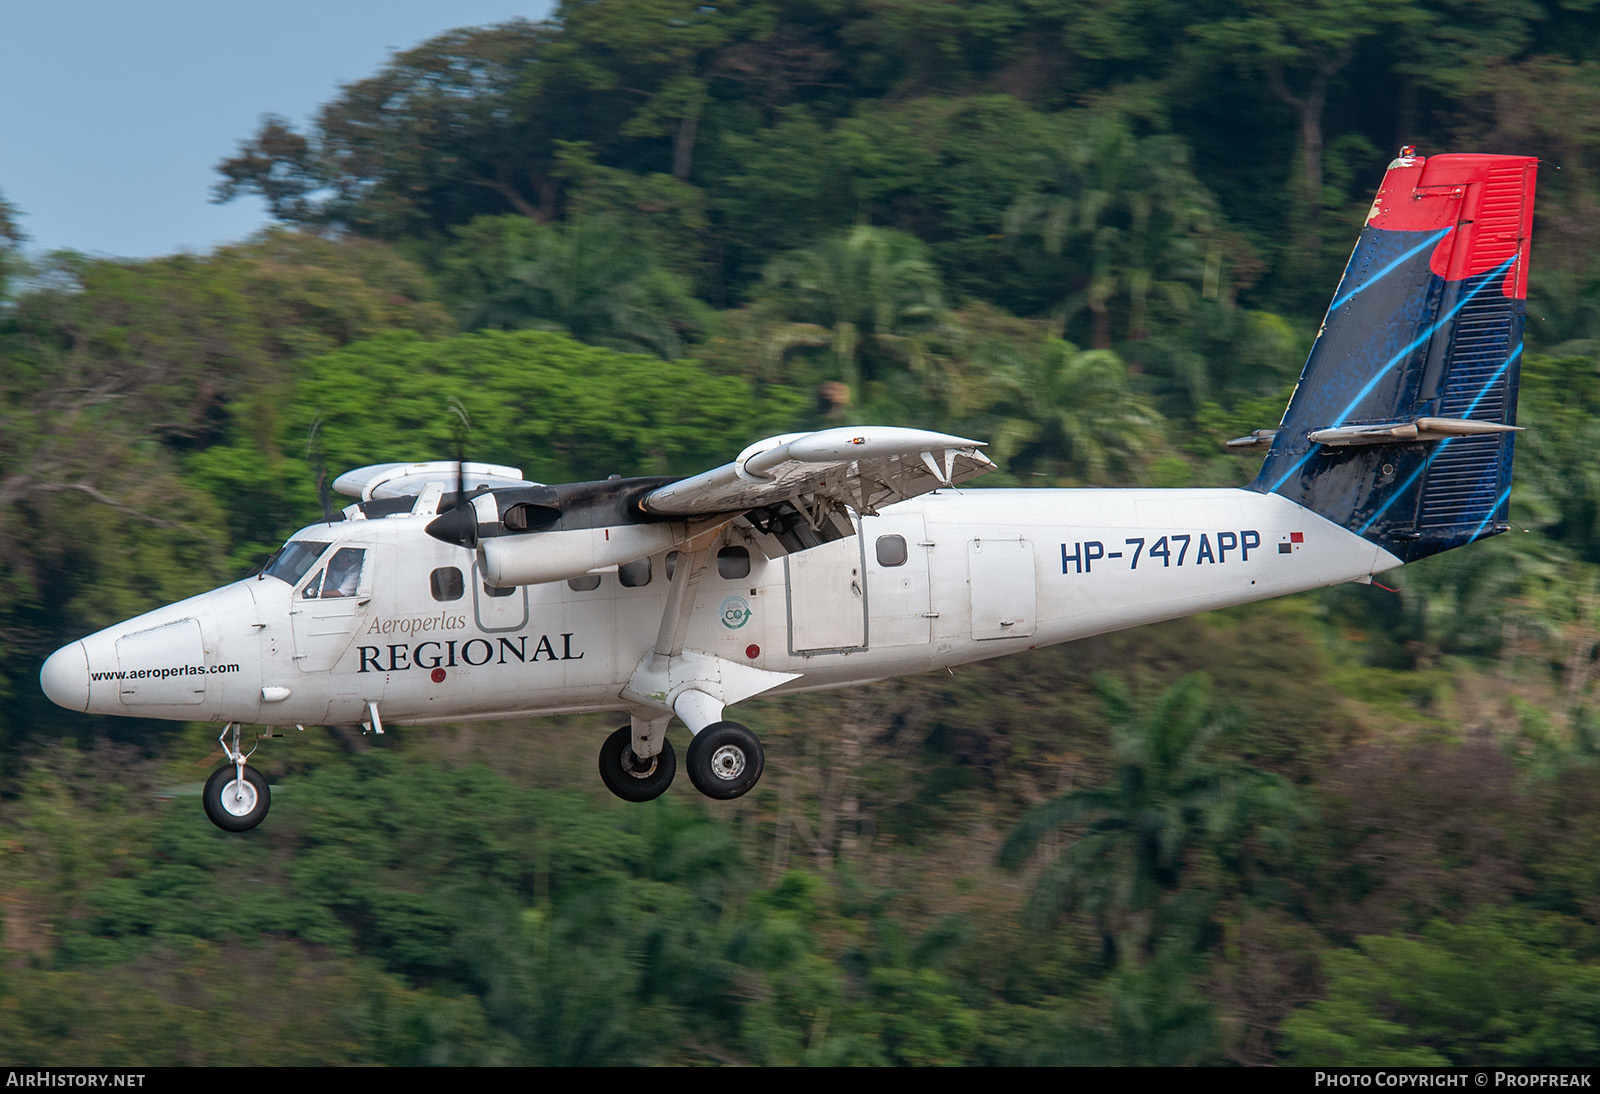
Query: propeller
x=314, y=456
x=459, y=523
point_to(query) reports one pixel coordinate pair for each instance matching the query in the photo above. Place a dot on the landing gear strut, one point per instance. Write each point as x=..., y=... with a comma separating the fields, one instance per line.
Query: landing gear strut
x=725, y=760
x=631, y=778
x=236, y=797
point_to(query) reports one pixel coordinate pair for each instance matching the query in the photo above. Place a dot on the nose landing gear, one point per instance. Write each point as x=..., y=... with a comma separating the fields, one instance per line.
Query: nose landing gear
x=236, y=797
x=236, y=804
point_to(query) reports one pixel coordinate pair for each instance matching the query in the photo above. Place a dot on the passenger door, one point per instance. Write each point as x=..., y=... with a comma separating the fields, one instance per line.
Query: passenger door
x=827, y=598
x=498, y=609
x=900, y=600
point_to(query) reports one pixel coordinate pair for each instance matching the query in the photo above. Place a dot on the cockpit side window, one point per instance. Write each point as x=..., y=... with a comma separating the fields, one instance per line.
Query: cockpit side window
x=293, y=560
x=344, y=572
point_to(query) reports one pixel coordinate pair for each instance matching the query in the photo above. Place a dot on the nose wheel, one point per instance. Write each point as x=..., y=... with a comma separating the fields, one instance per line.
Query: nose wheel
x=725, y=760
x=236, y=804
x=236, y=797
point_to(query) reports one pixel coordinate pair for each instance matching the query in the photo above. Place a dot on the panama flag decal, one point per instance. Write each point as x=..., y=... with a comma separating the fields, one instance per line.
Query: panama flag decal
x=1291, y=543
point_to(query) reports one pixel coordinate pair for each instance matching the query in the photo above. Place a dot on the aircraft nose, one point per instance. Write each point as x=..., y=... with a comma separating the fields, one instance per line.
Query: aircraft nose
x=65, y=677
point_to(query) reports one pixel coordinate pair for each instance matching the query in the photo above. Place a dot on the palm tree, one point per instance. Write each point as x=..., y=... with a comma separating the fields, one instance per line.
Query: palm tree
x=587, y=276
x=1067, y=409
x=1130, y=210
x=1129, y=841
x=872, y=296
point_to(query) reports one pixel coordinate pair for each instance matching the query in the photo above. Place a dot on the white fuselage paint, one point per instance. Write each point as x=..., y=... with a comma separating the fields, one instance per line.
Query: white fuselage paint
x=985, y=573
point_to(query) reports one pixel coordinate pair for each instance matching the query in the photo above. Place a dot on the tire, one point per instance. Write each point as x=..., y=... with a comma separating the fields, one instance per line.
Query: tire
x=725, y=760
x=624, y=777
x=230, y=810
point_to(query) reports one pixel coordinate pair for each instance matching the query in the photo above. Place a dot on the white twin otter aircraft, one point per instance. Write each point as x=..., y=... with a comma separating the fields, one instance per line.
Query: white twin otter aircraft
x=817, y=560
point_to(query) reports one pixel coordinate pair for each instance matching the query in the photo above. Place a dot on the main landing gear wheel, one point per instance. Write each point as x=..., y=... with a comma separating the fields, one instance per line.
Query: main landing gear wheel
x=631, y=778
x=236, y=806
x=725, y=760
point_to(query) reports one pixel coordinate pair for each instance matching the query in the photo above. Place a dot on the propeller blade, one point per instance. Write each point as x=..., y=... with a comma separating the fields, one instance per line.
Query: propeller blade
x=460, y=524
x=314, y=457
x=324, y=494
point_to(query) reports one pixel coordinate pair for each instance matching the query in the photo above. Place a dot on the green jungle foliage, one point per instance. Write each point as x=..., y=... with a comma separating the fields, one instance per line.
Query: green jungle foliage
x=1358, y=827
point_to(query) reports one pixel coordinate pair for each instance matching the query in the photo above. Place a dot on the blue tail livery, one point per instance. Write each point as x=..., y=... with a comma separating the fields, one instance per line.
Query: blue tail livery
x=1402, y=426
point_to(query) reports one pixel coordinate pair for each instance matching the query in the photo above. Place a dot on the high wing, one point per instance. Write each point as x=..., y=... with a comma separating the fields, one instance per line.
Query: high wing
x=797, y=490
x=385, y=481
x=792, y=492
x=861, y=467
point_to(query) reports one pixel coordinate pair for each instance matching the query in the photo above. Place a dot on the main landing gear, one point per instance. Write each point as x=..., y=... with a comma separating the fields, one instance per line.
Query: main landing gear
x=725, y=761
x=631, y=778
x=236, y=796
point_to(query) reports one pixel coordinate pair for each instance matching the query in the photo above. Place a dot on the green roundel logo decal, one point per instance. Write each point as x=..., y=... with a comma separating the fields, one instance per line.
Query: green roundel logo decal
x=735, y=612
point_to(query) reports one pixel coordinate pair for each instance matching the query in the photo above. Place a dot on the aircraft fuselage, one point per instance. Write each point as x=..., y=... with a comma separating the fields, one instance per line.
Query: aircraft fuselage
x=940, y=580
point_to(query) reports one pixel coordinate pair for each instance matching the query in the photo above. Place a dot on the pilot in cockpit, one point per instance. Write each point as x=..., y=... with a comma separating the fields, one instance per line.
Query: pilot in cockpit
x=344, y=573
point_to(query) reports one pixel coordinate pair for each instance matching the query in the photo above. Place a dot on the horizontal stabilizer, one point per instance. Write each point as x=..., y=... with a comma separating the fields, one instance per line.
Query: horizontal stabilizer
x=1256, y=438
x=1423, y=429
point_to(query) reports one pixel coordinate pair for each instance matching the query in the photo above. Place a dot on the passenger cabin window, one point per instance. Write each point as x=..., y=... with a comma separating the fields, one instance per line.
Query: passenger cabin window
x=585, y=584
x=891, y=550
x=733, y=563
x=293, y=560
x=447, y=583
x=496, y=590
x=344, y=573
x=672, y=564
x=634, y=575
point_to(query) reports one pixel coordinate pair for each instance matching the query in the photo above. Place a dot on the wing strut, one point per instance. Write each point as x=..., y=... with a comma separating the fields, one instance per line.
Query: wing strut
x=693, y=685
x=692, y=560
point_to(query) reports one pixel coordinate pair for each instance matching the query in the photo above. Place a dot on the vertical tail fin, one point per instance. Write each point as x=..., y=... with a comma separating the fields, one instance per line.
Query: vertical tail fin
x=1401, y=426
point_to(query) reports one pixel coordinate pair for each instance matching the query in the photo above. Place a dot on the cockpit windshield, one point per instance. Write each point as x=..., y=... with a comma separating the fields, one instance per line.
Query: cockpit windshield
x=293, y=560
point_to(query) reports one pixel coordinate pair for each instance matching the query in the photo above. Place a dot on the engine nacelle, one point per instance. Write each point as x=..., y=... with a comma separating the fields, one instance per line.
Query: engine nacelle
x=559, y=556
